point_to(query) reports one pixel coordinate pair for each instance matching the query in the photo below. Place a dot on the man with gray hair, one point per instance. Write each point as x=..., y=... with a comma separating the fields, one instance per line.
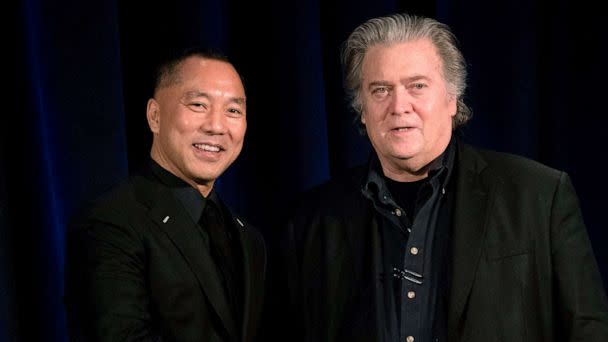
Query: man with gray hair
x=433, y=239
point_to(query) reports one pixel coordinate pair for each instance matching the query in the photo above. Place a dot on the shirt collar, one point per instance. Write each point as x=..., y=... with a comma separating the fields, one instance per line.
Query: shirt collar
x=192, y=200
x=374, y=186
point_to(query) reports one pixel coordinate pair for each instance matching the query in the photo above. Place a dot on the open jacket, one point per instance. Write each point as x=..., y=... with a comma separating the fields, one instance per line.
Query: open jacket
x=522, y=265
x=145, y=272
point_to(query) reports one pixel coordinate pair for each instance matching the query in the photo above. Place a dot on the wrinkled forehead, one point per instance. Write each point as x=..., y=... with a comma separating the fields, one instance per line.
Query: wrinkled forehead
x=411, y=57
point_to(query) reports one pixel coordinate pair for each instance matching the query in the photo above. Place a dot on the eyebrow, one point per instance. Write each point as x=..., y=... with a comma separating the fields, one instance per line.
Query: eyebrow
x=195, y=93
x=404, y=80
x=417, y=78
x=379, y=83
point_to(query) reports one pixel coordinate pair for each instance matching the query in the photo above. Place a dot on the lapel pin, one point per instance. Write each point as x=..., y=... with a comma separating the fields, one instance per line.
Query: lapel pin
x=166, y=219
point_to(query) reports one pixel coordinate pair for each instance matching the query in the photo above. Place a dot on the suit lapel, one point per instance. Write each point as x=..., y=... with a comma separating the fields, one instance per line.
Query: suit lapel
x=253, y=276
x=168, y=213
x=472, y=205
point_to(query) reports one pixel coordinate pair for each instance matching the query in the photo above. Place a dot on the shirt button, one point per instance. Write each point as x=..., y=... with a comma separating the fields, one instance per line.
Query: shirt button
x=398, y=212
x=410, y=339
x=414, y=250
x=443, y=191
x=411, y=294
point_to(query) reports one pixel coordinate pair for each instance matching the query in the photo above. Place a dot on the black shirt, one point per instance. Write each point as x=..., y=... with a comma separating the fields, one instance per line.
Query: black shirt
x=415, y=221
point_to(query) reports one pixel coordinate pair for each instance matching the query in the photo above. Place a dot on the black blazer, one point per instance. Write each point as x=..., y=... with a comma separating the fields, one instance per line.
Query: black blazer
x=522, y=265
x=139, y=270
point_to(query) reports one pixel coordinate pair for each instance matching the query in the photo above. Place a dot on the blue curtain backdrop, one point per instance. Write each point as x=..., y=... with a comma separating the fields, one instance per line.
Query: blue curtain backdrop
x=77, y=125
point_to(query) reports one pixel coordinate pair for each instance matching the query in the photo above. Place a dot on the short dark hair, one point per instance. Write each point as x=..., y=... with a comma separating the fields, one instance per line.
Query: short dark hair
x=165, y=74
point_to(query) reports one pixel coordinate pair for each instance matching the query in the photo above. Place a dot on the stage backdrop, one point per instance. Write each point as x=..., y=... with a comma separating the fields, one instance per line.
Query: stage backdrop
x=77, y=125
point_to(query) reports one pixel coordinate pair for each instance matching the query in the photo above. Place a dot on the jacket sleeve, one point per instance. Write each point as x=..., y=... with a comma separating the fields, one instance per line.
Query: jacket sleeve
x=115, y=292
x=583, y=307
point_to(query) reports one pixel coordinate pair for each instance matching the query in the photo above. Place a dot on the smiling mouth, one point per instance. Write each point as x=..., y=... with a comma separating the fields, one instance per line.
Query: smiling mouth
x=402, y=129
x=208, y=147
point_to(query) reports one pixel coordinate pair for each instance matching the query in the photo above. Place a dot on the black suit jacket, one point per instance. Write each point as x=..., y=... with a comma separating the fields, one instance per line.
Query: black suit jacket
x=522, y=265
x=139, y=270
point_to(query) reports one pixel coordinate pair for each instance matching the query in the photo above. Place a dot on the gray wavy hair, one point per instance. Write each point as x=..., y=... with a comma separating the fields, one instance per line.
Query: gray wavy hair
x=400, y=28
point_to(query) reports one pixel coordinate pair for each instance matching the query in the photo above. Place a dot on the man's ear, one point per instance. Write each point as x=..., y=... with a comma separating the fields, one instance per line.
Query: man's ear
x=153, y=116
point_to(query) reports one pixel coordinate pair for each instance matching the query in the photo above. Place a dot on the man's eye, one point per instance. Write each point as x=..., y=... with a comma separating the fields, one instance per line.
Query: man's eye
x=379, y=90
x=198, y=106
x=235, y=112
x=419, y=86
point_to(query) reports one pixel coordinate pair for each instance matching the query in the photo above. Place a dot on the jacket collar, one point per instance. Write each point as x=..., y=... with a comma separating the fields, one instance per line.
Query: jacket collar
x=171, y=216
x=474, y=195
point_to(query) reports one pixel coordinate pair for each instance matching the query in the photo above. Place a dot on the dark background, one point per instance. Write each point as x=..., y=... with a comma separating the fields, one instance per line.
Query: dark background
x=76, y=122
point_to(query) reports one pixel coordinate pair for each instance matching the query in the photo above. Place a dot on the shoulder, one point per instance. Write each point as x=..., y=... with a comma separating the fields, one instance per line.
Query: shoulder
x=516, y=164
x=339, y=195
x=114, y=206
x=512, y=167
x=106, y=221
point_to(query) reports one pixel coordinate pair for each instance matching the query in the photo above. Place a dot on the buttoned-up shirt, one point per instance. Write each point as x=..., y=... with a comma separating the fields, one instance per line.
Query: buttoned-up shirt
x=414, y=249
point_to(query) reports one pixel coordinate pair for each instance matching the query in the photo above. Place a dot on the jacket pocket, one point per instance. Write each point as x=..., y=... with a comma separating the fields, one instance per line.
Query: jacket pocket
x=506, y=249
